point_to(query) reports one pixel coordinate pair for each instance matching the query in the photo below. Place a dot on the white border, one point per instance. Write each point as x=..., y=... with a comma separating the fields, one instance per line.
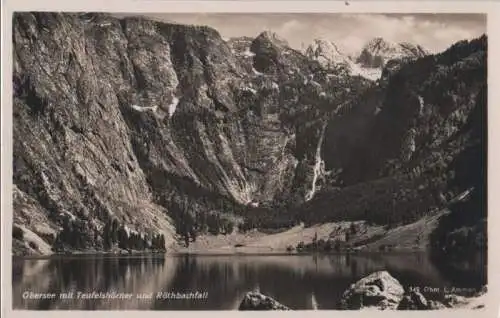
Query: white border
x=138, y=6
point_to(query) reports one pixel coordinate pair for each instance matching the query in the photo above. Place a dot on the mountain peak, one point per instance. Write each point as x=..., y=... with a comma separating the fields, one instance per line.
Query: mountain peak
x=378, y=46
x=272, y=37
x=379, y=51
x=323, y=45
x=325, y=52
x=414, y=49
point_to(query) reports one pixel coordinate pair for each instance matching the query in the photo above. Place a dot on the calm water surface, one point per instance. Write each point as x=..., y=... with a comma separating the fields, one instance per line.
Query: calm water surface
x=298, y=281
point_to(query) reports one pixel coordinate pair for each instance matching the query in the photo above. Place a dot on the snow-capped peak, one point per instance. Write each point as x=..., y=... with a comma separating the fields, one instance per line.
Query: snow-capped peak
x=326, y=53
x=378, y=51
x=330, y=56
x=379, y=46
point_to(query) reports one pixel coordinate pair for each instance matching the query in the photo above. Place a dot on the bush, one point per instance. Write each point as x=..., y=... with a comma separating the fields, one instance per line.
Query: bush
x=301, y=245
x=289, y=248
x=328, y=246
x=17, y=233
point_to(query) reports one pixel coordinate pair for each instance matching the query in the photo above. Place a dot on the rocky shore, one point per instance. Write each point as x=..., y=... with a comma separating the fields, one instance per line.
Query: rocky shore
x=379, y=291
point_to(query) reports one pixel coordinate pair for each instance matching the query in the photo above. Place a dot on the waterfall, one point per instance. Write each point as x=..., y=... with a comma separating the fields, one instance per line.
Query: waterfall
x=421, y=105
x=318, y=165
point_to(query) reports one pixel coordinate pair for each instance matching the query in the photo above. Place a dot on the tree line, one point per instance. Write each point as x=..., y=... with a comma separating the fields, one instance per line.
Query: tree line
x=77, y=234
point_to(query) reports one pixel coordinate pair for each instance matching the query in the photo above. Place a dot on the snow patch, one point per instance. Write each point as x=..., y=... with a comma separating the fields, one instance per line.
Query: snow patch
x=274, y=85
x=248, y=53
x=144, y=109
x=377, y=110
x=253, y=204
x=249, y=89
x=372, y=74
x=173, y=106
x=322, y=94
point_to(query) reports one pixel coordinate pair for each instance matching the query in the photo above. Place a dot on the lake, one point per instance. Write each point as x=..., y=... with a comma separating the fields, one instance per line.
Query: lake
x=220, y=282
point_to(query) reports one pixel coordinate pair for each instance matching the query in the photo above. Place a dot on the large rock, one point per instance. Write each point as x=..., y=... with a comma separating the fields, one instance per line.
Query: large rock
x=378, y=290
x=258, y=301
x=414, y=300
x=458, y=301
x=455, y=301
x=436, y=305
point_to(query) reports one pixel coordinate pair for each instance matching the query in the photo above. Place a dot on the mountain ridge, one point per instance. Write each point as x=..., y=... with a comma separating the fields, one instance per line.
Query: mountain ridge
x=371, y=60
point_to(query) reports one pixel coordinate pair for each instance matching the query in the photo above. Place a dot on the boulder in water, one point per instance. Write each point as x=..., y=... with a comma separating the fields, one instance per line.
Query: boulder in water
x=436, y=305
x=414, y=300
x=258, y=301
x=378, y=290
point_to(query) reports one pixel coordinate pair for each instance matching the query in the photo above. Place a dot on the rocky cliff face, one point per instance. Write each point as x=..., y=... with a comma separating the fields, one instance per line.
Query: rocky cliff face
x=128, y=132
x=124, y=119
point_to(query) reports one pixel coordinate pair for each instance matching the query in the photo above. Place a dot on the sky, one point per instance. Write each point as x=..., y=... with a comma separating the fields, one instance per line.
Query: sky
x=348, y=31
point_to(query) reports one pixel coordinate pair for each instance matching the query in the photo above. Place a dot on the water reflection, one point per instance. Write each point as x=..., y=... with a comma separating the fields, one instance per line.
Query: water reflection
x=298, y=281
